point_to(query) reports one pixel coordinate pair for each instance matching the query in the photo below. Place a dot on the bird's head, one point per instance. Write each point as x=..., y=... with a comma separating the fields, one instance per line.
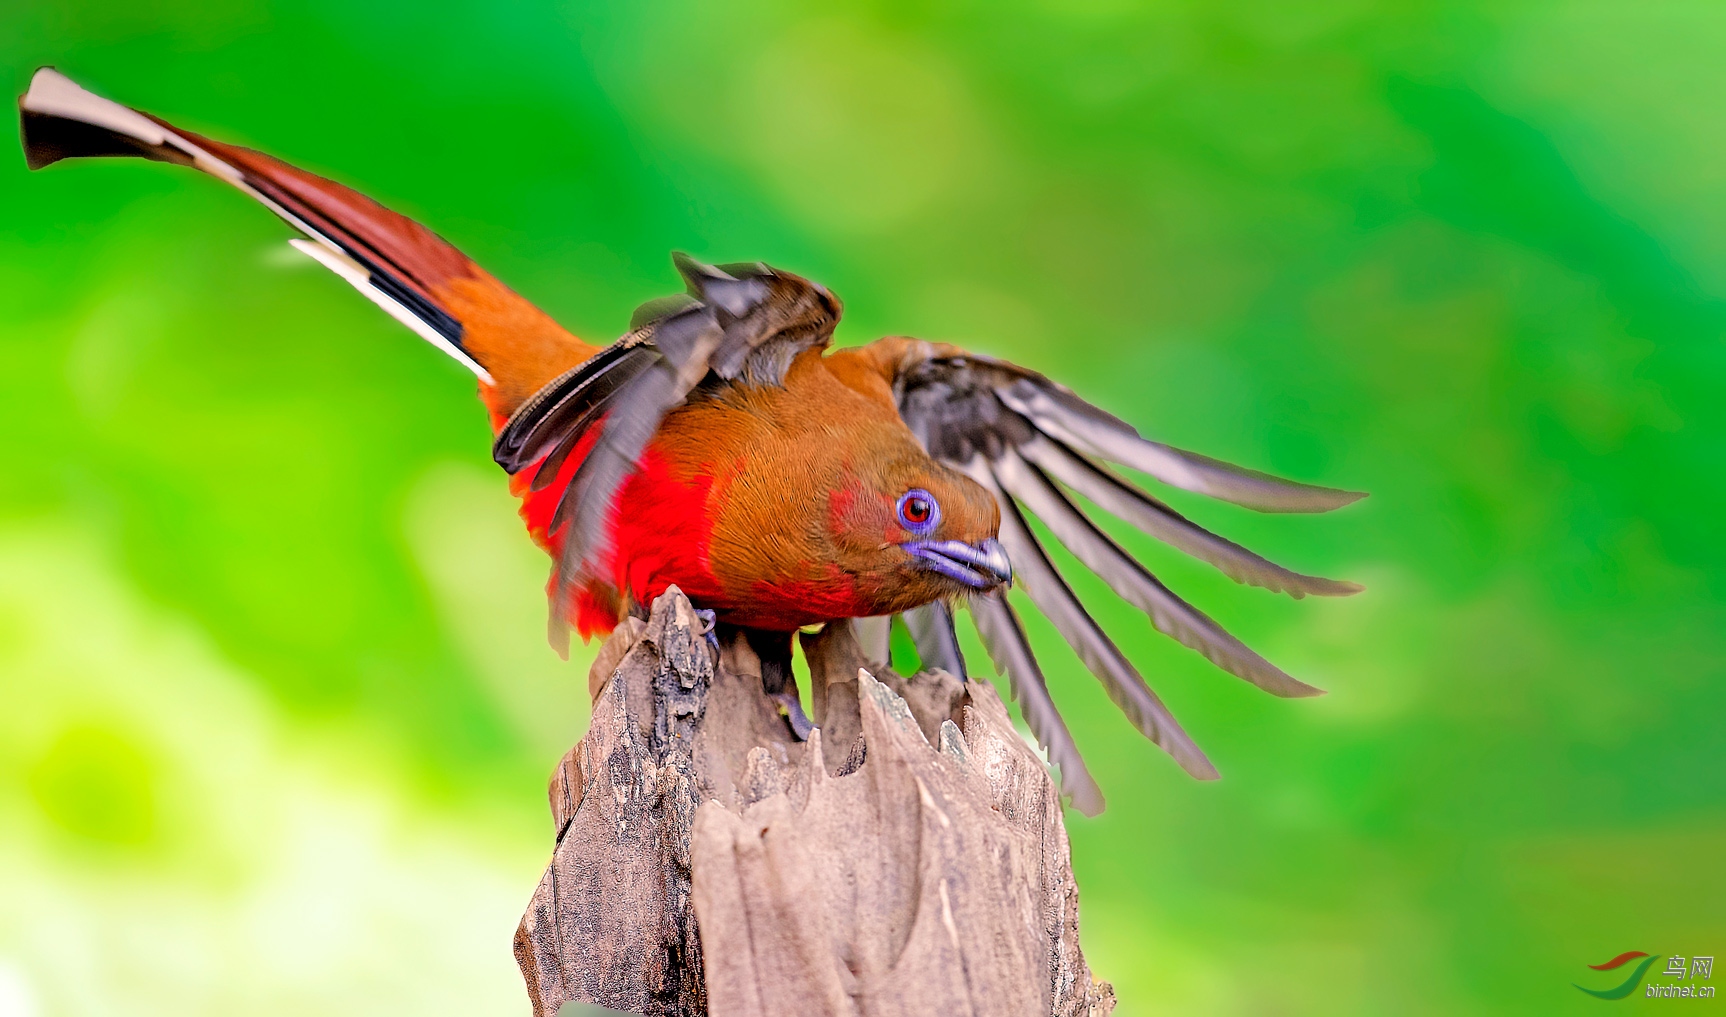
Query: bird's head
x=913, y=530
x=830, y=509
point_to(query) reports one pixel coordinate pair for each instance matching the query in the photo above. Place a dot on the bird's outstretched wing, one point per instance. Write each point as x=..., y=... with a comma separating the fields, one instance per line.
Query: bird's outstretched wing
x=1031, y=441
x=419, y=278
x=583, y=433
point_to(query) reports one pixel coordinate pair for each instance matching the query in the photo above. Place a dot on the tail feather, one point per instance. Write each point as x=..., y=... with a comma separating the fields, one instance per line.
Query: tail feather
x=412, y=273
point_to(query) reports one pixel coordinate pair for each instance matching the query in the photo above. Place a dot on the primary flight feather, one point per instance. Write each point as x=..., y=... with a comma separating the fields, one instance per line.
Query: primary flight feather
x=722, y=446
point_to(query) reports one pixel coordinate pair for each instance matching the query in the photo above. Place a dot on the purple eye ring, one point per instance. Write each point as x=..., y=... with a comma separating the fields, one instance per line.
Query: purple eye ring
x=918, y=511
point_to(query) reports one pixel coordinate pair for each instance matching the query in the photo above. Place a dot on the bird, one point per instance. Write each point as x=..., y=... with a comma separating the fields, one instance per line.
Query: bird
x=725, y=446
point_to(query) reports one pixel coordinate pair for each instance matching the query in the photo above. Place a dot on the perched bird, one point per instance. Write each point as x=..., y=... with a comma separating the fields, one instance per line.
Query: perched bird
x=722, y=446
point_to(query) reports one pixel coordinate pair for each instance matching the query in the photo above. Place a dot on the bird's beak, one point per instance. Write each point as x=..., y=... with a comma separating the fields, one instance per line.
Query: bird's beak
x=980, y=566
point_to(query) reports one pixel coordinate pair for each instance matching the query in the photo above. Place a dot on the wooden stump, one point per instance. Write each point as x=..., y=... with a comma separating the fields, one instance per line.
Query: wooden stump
x=908, y=859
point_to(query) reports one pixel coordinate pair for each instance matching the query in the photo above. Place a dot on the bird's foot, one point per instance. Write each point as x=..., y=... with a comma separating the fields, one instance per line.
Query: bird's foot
x=800, y=723
x=710, y=618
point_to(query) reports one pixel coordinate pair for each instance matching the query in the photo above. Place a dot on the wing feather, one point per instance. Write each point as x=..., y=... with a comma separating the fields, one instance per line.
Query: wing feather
x=1023, y=437
x=998, y=626
x=875, y=637
x=1075, y=422
x=931, y=628
x=1164, y=523
x=1133, y=583
x=550, y=423
x=636, y=412
x=1101, y=656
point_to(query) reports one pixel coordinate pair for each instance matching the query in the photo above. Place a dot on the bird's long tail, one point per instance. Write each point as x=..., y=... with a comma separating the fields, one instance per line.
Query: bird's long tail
x=412, y=273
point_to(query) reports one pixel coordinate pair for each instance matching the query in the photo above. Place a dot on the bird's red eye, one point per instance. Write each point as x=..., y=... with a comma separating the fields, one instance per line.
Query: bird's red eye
x=918, y=511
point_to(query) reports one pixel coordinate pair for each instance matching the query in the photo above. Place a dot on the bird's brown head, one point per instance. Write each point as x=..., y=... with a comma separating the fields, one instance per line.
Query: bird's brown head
x=828, y=507
x=911, y=530
x=827, y=536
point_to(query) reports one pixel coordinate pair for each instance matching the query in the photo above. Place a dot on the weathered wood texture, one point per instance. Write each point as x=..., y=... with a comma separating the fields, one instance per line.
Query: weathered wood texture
x=908, y=859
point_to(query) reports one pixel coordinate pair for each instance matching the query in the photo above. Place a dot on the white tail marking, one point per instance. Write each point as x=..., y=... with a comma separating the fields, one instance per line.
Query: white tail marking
x=357, y=276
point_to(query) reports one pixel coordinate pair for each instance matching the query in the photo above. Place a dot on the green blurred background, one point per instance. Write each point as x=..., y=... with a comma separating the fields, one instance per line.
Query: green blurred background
x=276, y=710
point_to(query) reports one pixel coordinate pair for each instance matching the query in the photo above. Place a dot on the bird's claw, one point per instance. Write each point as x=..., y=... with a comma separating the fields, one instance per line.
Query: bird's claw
x=710, y=618
x=800, y=722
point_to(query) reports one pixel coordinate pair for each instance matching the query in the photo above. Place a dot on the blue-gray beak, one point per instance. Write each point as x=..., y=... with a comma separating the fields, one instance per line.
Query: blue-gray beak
x=981, y=566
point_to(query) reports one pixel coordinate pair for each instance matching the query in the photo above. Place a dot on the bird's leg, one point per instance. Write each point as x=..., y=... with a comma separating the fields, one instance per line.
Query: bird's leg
x=773, y=649
x=777, y=679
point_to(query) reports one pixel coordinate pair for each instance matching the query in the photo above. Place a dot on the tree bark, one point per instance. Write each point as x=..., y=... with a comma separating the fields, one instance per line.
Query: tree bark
x=908, y=859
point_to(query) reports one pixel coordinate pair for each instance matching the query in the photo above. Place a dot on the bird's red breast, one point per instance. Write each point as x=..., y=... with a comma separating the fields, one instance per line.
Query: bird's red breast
x=660, y=534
